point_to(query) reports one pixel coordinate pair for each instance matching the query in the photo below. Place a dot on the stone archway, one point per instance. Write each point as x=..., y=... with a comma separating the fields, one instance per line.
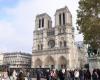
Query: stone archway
x=38, y=63
x=62, y=62
x=49, y=62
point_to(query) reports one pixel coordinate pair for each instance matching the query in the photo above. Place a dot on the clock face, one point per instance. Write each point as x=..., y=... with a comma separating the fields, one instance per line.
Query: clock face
x=51, y=43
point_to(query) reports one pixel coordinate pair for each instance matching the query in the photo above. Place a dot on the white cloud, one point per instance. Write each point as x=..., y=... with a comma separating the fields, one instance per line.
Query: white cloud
x=6, y=31
x=19, y=30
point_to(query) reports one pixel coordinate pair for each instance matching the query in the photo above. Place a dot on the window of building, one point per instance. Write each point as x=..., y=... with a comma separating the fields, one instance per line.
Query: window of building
x=60, y=44
x=42, y=22
x=39, y=23
x=41, y=46
x=62, y=30
x=59, y=30
x=63, y=18
x=59, y=19
x=51, y=43
x=64, y=43
x=38, y=47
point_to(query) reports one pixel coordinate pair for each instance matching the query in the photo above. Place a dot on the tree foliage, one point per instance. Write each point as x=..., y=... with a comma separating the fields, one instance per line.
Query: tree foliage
x=88, y=20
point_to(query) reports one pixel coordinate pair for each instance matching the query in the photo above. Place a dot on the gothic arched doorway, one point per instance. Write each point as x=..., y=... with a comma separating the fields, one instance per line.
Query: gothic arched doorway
x=62, y=62
x=49, y=62
x=38, y=63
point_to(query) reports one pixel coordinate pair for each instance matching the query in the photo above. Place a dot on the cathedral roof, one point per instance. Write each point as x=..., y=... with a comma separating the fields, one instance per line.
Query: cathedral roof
x=63, y=9
x=43, y=14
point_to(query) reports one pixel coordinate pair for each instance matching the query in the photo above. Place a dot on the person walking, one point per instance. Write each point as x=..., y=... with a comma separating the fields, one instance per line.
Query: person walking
x=98, y=71
x=95, y=75
x=61, y=75
x=67, y=75
x=14, y=75
x=81, y=74
x=87, y=75
x=20, y=76
x=47, y=74
x=38, y=75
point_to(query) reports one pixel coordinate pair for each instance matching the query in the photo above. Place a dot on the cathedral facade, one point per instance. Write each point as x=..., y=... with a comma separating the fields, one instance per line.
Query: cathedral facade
x=54, y=47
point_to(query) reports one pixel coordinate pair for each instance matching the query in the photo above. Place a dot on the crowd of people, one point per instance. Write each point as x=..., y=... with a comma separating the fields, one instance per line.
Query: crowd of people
x=53, y=74
x=6, y=75
x=64, y=74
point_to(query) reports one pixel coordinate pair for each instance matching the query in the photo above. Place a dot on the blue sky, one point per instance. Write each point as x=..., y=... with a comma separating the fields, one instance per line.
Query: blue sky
x=17, y=21
x=8, y=3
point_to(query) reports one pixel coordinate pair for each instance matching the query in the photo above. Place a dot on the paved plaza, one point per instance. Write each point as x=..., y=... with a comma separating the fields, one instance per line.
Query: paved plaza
x=32, y=79
x=36, y=79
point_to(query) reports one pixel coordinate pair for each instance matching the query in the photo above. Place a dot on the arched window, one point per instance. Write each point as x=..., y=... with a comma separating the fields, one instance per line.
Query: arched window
x=59, y=30
x=60, y=44
x=39, y=23
x=41, y=46
x=64, y=43
x=42, y=22
x=59, y=19
x=38, y=47
x=63, y=18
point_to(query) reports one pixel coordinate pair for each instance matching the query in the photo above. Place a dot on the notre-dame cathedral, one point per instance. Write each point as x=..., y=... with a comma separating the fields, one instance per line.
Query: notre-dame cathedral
x=54, y=46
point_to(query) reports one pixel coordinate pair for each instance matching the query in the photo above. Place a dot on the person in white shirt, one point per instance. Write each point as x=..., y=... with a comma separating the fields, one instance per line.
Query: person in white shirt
x=14, y=75
x=76, y=74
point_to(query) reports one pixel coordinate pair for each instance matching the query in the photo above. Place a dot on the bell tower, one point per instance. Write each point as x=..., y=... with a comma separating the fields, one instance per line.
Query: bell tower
x=43, y=21
x=64, y=32
x=63, y=17
x=63, y=27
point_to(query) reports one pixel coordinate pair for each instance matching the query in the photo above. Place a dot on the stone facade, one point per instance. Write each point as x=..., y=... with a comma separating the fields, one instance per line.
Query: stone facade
x=94, y=60
x=83, y=55
x=54, y=47
x=17, y=59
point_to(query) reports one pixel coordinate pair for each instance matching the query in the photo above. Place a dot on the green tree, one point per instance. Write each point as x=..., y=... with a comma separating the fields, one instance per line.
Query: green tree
x=88, y=20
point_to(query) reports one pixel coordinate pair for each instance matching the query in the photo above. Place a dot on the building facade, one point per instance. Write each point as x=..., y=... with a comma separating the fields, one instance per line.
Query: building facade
x=54, y=47
x=83, y=55
x=1, y=59
x=17, y=60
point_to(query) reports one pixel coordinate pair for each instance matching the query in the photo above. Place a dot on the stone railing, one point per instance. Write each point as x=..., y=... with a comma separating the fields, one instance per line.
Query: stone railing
x=94, y=57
